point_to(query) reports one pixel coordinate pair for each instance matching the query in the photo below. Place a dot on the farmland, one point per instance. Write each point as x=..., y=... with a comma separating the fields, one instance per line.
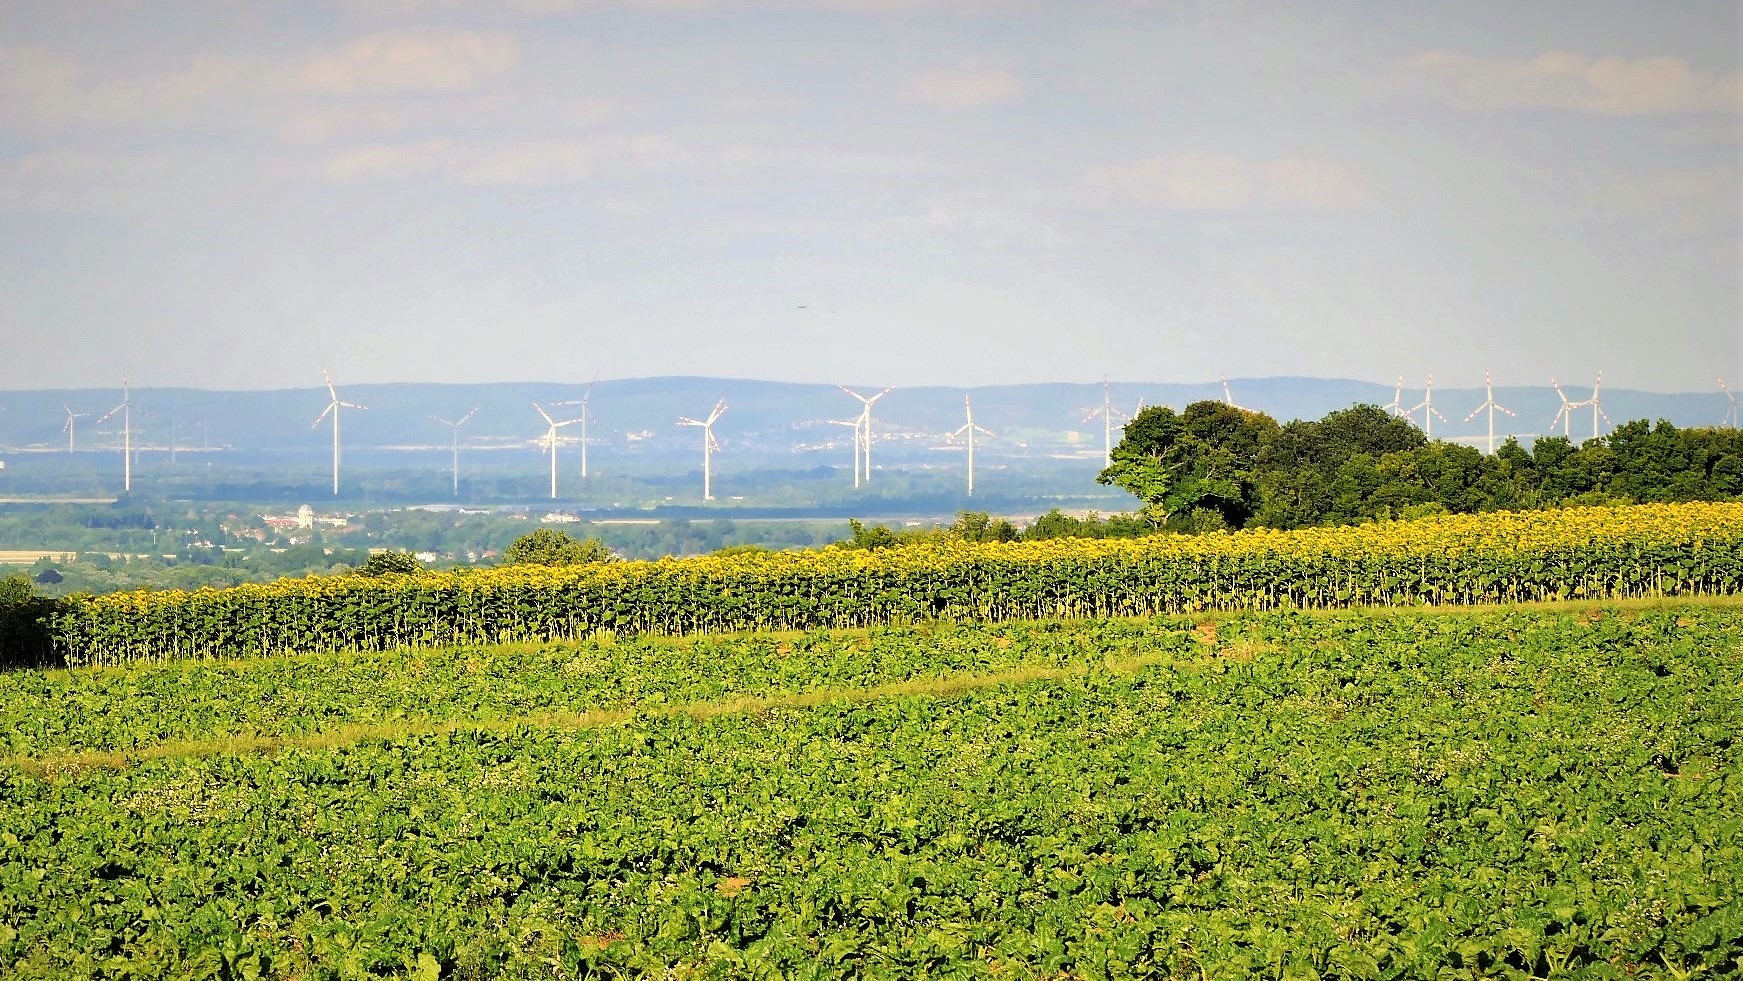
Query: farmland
x=1522, y=791
x=1688, y=549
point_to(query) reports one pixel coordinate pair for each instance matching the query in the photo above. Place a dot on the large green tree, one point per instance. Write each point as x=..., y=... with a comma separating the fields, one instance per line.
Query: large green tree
x=1193, y=469
x=547, y=546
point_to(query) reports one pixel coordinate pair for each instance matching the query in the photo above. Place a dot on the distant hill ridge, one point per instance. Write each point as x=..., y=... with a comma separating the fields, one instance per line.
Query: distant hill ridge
x=766, y=415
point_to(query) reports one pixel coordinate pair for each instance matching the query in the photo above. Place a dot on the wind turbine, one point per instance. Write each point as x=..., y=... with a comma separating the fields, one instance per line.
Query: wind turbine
x=69, y=427
x=455, y=426
x=126, y=410
x=1730, y=420
x=1396, y=407
x=1596, y=409
x=584, y=417
x=1565, y=414
x=550, y=441
x=1229, y=400
x=852, y=424
x=709, y=445
x=1429, y=411
x=1490, y=404
x=334, y=405
x=865, y=424
x=970, y=428
x=1107, y=412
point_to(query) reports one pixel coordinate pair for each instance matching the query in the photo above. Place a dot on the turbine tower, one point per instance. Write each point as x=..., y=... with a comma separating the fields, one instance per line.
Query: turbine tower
x=585, y=416
x=1396, y=406
x=1565, y=414
x=1107, y=412
x=455, y=426
x=1730, y=420
x=970, y=428
x=852, y=424
x=865, y=424
x=1429, y=411
x=334, y=406
x=1490, y=404
x=1597, y=410
x=709, y=445
x=1229, y=400
x=126, y=410
x=70, y=427
x=550, y=440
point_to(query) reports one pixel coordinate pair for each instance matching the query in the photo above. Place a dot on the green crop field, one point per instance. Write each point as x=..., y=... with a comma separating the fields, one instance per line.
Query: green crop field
x=1549, y=791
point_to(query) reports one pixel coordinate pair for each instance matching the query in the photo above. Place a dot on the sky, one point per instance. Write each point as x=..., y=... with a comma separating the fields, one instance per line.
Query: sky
x=237, y=193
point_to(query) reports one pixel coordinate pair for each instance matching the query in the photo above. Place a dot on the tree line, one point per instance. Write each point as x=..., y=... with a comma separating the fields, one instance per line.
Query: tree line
x=1213, y=466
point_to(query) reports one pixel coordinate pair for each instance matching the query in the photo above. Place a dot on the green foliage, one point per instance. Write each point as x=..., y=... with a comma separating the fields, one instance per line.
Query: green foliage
x=24, y=633
x=1057, y=524
x=1523, y=793
x=1362, y=464
x=390, y=564
x=1657, y=550
x=546, y=546
x=969, y=526
x=1200, y=460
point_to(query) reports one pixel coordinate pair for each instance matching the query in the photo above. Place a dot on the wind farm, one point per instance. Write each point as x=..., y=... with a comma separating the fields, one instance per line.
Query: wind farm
x=1044, y=432
x=870, y=489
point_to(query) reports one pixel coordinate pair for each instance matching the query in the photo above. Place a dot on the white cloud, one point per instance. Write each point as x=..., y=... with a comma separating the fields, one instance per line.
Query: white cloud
x=537, y=163
x=44, y=88
x=419, y=60
x=88, y=181
x=1578, y=83
x=1213, y=182
x=378, y=161
x=964, y=88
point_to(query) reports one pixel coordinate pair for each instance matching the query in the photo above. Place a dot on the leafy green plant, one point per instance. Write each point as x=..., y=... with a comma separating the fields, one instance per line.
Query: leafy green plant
x=547, y=546
x=390, y=564
x=1594, y=553
x=1511, y=793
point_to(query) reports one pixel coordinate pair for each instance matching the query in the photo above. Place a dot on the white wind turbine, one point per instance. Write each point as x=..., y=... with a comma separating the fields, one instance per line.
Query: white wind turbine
x=1490, y=404
x=709, y=445
x=126, y=410
x=1565, y=414
x=1429, y=411
x=70, y=426
x=865, y=424
x=969, y=428
x=1730, y=419
x=455, y=426
x=1107, y=412
x=334, y=405
x=585, y=417
x=1597, y=410
x=551, y=440
x=1229, y=400
x=1396, y=406
x=852, y=424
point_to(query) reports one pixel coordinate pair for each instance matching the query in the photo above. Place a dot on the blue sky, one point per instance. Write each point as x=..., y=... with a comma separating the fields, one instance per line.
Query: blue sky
x=912, y=192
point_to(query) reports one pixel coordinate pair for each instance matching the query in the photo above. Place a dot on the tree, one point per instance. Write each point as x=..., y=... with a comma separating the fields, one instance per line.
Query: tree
x=978, y=526
x=390, y=564
x=24, y=634
x=546, y=546
x=1201, y=460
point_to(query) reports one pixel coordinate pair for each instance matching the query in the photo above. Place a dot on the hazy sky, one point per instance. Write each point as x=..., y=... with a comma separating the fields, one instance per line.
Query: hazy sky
x=230, y=193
